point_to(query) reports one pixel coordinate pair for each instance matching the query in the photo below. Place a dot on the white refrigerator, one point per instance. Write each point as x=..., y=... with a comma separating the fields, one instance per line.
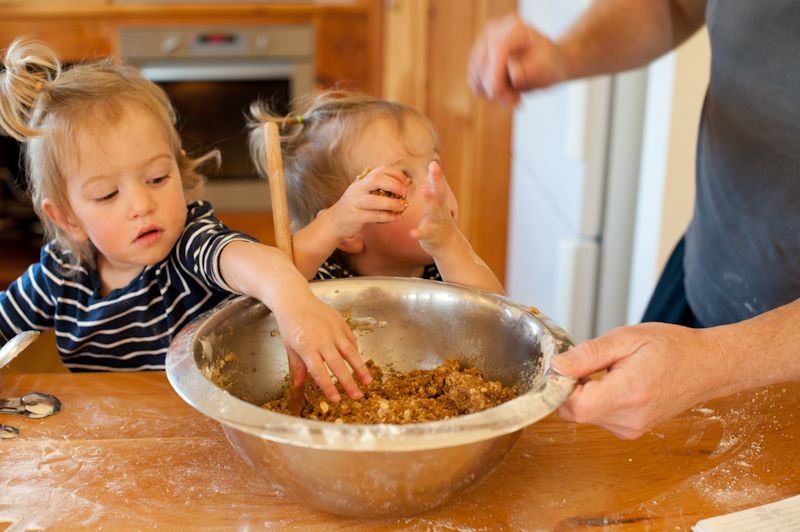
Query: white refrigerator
x=575, y=167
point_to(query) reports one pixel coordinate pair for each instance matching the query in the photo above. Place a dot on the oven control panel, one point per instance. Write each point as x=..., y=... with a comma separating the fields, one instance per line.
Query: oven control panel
x=256, y=41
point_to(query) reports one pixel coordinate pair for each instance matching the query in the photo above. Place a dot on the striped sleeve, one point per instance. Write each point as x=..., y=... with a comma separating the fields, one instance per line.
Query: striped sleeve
x=29, y=302
x=334, y=267
x=202, y=242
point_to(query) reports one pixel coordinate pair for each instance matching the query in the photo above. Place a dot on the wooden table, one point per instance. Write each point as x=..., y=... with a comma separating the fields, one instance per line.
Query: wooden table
x=127, y=453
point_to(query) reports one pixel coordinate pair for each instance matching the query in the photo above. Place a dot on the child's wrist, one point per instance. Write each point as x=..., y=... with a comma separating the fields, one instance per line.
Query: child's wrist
x=324, y=229
x=326, y=224
x=455, y=243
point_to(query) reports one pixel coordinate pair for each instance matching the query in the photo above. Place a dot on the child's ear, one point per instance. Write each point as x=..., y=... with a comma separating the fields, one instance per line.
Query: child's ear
x=352, y=245
x=65, y=220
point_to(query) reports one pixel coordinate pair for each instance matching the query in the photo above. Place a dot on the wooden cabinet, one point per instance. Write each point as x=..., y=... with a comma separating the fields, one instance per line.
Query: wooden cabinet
x=72, y=39
x=347, y=34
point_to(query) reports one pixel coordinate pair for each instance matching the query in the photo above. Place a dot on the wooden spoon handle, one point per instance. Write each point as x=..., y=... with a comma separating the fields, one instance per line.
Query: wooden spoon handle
x=283, y=235
x=277, y=189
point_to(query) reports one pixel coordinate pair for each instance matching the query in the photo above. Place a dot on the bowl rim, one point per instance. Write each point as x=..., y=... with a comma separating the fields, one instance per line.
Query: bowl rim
x=192, y=386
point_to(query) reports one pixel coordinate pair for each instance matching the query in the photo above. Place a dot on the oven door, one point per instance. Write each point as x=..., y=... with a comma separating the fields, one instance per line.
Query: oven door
x=211, y=98
x=212, y=74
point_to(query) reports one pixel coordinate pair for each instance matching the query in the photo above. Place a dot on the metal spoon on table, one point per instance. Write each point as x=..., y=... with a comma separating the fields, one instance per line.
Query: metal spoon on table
x=33, y=405
x=41, y=405
x=8, y=432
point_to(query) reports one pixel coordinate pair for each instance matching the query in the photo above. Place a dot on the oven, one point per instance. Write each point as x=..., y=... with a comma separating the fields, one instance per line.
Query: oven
x=211, y=75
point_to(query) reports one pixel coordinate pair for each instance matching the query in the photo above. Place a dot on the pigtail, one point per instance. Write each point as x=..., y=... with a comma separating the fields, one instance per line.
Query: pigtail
x=290, y=127
x=314, y=146
x=29, y=67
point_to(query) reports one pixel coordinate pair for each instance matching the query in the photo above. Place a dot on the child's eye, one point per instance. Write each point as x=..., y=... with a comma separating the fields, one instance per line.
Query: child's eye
x=158, y=180
x=105, y=198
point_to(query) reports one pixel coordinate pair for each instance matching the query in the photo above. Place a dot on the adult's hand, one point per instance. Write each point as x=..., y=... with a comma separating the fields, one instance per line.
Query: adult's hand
x=654, y=372
x=511, y=57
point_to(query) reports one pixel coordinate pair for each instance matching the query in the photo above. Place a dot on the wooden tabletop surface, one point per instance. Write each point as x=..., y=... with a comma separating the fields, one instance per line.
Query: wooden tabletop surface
x=127, y=453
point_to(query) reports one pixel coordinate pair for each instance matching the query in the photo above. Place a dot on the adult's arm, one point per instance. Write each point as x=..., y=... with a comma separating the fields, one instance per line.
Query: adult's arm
x=617, y=35
x=656, y=371
x=511, y=57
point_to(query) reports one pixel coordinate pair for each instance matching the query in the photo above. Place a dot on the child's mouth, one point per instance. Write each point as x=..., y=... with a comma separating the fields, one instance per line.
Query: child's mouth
x=148, y=236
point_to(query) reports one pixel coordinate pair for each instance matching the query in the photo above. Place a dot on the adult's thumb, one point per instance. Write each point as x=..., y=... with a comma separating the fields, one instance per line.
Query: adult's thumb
x=590, y=356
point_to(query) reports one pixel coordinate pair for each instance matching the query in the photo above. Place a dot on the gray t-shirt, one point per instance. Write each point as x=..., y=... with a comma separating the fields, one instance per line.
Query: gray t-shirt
x=743, y=244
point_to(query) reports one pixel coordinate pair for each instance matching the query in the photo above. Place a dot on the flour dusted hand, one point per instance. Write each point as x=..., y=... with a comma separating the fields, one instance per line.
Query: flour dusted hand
x=316, y=336
x=360, y=204
x=437, y=227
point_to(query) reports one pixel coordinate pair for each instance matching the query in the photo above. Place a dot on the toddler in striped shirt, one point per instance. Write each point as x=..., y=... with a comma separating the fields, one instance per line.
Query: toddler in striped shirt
x=132, y=256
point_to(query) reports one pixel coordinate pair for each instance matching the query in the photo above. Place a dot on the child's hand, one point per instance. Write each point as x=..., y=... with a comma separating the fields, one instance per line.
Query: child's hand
x=359, y=206
x=316, y=336
x=437, y=228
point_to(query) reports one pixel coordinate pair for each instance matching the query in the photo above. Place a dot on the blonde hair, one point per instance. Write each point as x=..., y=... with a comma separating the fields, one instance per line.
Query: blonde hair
x=314, y=145
x=43, y=106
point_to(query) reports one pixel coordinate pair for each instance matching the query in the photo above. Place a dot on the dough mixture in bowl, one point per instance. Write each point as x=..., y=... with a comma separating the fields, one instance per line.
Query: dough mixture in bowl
x=414, y=396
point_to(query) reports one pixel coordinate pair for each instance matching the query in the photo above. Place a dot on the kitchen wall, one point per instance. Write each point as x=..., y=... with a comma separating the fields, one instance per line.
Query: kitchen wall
x=602, y=183
x=426, y=45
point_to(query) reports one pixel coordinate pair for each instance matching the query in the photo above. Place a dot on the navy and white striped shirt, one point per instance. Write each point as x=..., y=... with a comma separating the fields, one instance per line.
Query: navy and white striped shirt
x=337, y=267
x=129, y=329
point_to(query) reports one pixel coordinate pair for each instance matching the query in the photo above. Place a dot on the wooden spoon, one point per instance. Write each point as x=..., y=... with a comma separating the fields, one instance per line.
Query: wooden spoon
x=283, y=235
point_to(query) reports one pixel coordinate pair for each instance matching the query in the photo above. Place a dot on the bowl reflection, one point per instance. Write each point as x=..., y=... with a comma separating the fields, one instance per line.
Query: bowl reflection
x=374, y=470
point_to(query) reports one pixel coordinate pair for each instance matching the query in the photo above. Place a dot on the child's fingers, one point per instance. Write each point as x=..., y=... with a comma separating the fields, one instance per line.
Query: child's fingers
x=350, y=354
x=384, y=178
x=441, y=189
x=374, y=202
x=397, y=183
x=319, y=372
x=436, y=182
x=298, y=369
x=337, y=366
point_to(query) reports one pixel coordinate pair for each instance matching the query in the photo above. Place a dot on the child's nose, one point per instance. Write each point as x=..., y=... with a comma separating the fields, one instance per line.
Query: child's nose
x=141, y=201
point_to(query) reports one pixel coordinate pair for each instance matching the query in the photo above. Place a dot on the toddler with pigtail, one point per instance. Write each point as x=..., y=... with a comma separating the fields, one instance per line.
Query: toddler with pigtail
x=132, y=256
x=366, y=192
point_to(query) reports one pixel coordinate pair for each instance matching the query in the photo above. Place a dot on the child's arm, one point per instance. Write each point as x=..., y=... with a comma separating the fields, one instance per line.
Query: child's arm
x=316, y=242
x=315, y=335
x=29, y=302
x=440, y=237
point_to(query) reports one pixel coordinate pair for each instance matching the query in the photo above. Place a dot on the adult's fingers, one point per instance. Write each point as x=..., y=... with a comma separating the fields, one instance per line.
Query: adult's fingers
x=596, y=354
x=504, y=40
x=478, y=58
x=607, y=402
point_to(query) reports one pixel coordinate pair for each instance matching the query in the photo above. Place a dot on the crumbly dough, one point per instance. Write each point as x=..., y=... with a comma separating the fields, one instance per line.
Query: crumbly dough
x=406, y=397
x=380, y=191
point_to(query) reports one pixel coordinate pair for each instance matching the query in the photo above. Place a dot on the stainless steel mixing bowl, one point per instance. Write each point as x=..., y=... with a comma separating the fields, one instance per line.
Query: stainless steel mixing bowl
x=374, y=470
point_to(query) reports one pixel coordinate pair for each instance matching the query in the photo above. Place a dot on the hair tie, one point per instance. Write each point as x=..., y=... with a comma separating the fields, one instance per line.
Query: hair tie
x=299, y=119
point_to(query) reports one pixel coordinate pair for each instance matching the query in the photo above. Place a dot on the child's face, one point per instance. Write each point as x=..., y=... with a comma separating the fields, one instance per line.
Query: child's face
x=410, y=152
x=125, y=192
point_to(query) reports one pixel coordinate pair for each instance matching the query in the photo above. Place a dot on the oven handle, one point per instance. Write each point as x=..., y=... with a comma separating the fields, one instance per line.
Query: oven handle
x=167, y=72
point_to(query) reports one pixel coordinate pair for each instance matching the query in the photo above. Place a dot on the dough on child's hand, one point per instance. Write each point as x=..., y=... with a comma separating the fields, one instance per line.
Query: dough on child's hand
x=380, y=191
